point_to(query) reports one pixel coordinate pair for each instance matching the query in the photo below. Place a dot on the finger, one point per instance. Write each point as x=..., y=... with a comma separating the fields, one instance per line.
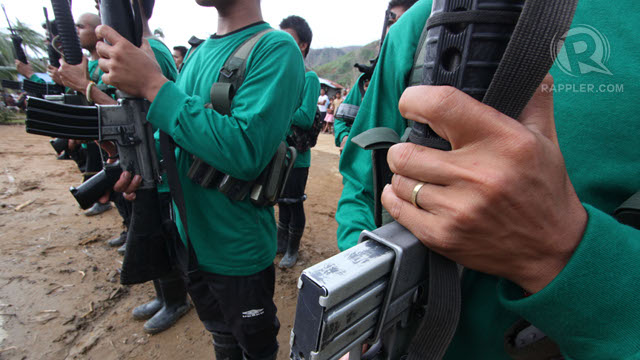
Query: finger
x=426, y=164
x=108, y=34
x=130, y=197
x=123, y=183
x=134, y=185
x=430, y=197
x=420, y=223
x=454, y=115
x=105, y=198
x=104, y=50
x=538, y=115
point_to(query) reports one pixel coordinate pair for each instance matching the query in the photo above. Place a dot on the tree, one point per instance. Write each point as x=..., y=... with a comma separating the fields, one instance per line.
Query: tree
x=35, y=49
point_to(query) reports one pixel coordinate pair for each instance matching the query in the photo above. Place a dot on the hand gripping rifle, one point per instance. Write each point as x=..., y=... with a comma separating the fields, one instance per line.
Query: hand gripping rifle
x=18, y=51
x=125, y=124
x=390, y=291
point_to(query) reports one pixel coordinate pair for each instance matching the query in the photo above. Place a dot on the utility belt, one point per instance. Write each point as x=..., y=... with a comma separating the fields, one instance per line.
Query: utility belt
x=263, y=191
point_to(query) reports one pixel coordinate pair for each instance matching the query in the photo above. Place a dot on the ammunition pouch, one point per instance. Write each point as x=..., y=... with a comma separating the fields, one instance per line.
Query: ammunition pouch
x=263, y=191
x=347, y=113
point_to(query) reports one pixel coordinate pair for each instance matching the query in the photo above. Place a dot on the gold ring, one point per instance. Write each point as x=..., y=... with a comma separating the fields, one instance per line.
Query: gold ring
x=414, y=195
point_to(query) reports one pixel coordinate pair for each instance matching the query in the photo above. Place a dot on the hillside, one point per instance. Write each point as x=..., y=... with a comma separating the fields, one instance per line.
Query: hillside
x=318, y=57
x=341, y=70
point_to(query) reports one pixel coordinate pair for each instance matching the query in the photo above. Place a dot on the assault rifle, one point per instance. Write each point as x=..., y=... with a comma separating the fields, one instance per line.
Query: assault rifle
x=389, y=291
x=18, y=51
x=125, y=124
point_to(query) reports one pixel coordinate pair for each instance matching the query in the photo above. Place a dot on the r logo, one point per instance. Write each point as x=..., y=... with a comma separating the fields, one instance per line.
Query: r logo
x=585, y=51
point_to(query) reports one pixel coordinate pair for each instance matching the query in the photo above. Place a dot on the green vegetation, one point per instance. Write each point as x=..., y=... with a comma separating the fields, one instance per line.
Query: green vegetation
x=342, y=71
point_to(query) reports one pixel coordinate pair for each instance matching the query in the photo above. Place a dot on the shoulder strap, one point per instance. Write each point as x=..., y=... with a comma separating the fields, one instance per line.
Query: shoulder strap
x=167, y=147
x=232, y=74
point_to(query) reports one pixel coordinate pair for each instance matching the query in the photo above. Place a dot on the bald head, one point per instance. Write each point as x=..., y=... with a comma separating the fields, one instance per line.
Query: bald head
x=86, y=26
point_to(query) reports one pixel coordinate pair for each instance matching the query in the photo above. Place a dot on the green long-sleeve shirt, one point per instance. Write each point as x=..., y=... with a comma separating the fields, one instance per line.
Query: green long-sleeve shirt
x=229, y=237
x=340, y=127
x=306, y=113
x=95, y=73
x=590, y=308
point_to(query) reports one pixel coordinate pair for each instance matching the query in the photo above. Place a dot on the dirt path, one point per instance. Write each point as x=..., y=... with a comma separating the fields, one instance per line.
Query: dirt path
x=60, y=296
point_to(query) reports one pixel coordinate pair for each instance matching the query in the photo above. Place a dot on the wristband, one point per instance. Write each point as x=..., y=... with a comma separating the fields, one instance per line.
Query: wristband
x=88, y=92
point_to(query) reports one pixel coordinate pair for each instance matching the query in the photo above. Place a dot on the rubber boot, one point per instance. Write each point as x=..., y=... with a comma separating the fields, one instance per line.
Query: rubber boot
x=122, y=249
x=283, y=238
x=146, y=311
x=176, y=304
x=226, y=347
x=291, y=257
x=119, y=240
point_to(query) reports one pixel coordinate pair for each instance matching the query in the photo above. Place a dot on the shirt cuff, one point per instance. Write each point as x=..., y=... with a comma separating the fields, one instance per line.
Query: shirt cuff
x=589, y=309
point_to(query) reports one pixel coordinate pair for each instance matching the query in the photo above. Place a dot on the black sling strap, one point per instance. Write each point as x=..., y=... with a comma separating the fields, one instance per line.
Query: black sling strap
x=167, y=147
x=524, y=65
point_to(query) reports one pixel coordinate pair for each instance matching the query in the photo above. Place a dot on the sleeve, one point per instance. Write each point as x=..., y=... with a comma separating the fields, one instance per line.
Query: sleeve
x=379, y=108
x=243, y=143
x=340, y=130
x=306, y=113
x=164, y=59
x=36, y=78
x=602, y=278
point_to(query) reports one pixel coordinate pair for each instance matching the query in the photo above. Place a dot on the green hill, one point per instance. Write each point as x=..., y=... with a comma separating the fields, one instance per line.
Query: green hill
x=342, y=71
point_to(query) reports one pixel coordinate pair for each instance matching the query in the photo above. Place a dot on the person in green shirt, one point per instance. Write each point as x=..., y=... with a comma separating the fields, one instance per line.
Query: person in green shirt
x=345, y=116
x=234, y=242
x=291, y=220
x=535, y=231
x=171, y=301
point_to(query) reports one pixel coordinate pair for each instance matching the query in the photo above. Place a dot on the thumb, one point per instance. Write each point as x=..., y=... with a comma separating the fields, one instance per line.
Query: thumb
x=108, y=34
x=538, y=115
x=454, y=115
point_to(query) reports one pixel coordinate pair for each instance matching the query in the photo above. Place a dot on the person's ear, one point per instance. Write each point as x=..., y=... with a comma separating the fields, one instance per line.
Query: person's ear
x=304, y=47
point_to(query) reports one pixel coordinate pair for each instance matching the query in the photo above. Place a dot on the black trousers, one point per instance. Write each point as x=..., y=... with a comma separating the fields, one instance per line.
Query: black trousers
x=239, y=305
x=291, y=214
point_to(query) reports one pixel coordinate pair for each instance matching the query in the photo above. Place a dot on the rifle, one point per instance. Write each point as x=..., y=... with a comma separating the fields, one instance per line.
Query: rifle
x=52, y=32
x=125, y=124
x=16, y=40
x=390, y=291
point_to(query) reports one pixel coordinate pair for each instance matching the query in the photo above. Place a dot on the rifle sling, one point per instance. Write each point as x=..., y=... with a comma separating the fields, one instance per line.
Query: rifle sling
x=167, y=147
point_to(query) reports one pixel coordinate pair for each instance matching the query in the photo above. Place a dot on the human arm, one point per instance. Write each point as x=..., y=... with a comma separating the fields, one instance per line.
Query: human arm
x=76, y=77
x=305, y=114
x=27, y=71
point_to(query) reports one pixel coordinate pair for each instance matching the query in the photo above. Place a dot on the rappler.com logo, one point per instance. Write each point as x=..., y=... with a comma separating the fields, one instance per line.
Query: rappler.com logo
x=585, y=51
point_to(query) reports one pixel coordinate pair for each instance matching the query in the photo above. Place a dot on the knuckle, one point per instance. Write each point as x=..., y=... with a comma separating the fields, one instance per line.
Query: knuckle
x=442, y=100
x=399, y=157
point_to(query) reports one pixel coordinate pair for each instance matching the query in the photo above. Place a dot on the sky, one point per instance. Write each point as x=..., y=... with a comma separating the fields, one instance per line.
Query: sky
x=335, y=23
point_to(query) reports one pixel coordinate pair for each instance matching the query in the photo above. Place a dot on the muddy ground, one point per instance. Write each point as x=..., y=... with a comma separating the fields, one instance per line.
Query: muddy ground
x=60, y=296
